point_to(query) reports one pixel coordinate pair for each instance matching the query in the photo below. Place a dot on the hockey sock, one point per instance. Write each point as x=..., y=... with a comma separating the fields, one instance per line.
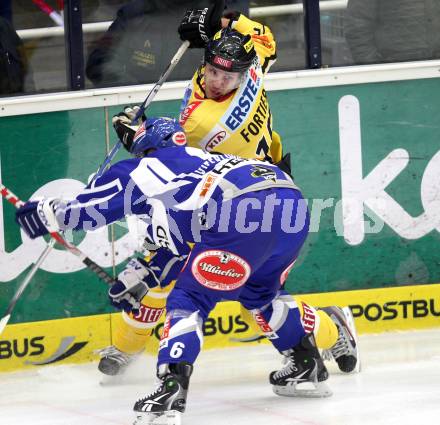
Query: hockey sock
x=318, y=322
x=133, y=334
x=280, y=321
x=182, y=337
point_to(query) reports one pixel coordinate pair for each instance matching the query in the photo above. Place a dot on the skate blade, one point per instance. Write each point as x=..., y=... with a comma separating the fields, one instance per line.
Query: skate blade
x=350, y=322
x=327, y=355
x=168, y=418
x=305, y=390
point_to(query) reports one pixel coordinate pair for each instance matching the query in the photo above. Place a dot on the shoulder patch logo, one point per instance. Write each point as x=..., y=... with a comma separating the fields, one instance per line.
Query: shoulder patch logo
x=179, y=138
x=186, y=113
x=259, y=171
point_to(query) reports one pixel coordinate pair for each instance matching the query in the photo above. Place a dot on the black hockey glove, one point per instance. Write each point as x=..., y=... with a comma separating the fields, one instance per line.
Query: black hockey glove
x=285, y=164
x=199, y=25
x=132, y=285
x=123, y=127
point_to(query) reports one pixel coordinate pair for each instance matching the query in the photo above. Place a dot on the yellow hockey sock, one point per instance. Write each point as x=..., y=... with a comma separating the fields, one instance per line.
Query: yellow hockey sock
x=324, y=329
x=134, y=333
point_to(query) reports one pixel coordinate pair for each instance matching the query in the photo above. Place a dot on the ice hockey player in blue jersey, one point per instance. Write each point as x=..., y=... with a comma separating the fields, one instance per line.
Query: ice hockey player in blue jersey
x=247, y=222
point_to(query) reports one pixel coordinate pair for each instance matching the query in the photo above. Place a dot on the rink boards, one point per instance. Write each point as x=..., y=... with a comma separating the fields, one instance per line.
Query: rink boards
x=365, y=152
x=75, y=340
x=365, y=134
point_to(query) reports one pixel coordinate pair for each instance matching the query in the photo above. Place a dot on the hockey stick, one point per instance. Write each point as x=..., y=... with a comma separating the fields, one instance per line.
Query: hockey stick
x=150, y=96
x=60, y=4
x=53, y=14
x=174, y=61
x=4, y=321
x=102, y=274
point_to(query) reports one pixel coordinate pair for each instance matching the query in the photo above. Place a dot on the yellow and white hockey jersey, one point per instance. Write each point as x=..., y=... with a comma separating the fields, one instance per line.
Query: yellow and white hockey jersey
x=239, y=123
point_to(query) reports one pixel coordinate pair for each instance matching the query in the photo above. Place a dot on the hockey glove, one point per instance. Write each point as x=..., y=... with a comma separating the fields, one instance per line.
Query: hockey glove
x=123, y=127
x=169, y=264
x=285, y=164
x=132, y=285
x=37, y=218
x=199, y=25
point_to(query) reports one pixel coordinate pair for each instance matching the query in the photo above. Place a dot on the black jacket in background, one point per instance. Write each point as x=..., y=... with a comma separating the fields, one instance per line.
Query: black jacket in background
x=140, y=44
x=393, y=30
x=12, y=64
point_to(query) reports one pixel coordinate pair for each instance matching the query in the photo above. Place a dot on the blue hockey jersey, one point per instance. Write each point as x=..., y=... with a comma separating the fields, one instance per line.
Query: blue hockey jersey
x=170, y=190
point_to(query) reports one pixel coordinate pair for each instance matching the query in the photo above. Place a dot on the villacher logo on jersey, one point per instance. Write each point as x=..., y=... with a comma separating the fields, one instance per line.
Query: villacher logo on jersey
x=217, y=270
x=220, y=270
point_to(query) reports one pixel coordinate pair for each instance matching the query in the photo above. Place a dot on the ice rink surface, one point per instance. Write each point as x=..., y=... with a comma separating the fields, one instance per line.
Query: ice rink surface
x=399, y=385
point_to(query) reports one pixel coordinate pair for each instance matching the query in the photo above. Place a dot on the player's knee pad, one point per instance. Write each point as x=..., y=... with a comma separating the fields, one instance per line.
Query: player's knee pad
x=280, y=321
x=182, y=337
x=318, y=322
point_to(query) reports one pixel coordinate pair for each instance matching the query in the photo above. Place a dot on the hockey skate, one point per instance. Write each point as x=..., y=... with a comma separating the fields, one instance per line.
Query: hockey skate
x=113, y=361
x=346, y=350
x=304, y=372
x=165, y=405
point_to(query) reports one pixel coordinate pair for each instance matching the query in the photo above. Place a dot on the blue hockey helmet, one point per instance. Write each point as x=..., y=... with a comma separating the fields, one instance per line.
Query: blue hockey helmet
x=157, y=133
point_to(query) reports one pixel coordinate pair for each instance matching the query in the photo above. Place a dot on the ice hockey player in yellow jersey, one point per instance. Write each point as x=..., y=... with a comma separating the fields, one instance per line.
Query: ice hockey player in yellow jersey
x=225, y=109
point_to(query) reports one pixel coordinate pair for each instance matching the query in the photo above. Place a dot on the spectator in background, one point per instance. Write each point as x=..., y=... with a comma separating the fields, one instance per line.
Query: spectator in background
x=12, y=60
x=140, y=43
x=393, y=30
x=6, y=10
